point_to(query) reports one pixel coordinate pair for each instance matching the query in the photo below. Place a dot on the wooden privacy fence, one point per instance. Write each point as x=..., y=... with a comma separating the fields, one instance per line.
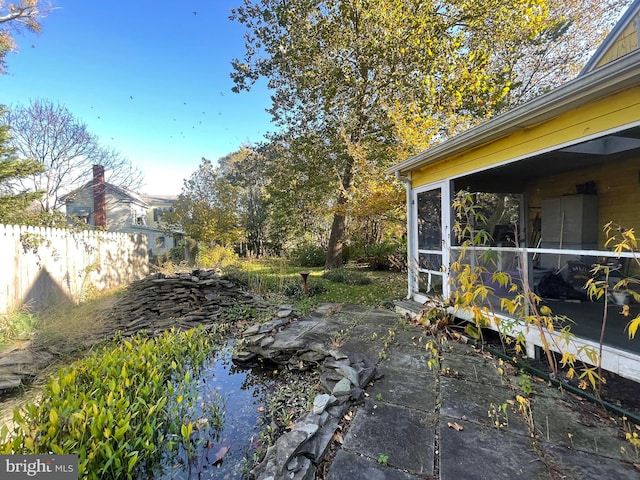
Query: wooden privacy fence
x=39, y=265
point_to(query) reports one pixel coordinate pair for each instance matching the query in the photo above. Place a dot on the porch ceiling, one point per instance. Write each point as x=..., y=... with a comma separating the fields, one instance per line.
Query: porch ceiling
x=513, y=177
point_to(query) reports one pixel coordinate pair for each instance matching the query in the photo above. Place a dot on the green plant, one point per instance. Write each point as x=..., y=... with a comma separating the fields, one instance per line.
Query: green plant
x=17, y=325
x=624, y=240
x=238, y=312
x=525, y=384
x=387, y=255
x=272, y=277
x=499, y=415
x=338, y=338
x=236, y=274
x=111, y=408
x=631, y=434
x=305, y=305
x=386, y=343
x=308, y=255
x=383, y=459
x=295, y=289
x=379, y=397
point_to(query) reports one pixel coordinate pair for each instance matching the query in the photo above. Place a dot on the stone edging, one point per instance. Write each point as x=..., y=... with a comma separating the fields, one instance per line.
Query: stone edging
x=297, y=453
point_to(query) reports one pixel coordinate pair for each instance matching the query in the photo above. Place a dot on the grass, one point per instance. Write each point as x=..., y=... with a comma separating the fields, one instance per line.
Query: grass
x=68, y=329
x=272, y=276
x=64, y=328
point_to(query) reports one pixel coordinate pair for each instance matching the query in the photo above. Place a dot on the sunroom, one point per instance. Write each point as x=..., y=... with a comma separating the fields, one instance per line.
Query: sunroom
x=567, y=164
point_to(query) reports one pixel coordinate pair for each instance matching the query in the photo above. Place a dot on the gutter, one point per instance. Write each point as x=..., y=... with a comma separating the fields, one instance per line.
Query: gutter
x=410, y=274
x=618, y=75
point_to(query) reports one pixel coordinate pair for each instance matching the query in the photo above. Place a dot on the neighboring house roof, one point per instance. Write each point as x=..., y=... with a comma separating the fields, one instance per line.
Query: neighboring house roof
x=589, y=86
x=110, y=188
x=159, y=199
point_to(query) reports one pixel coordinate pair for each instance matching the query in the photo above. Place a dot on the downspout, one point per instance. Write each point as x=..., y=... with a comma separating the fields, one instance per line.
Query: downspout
x=411, y=274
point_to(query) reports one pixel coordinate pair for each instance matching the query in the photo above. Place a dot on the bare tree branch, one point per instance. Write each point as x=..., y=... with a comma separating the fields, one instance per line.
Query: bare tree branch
x=51, y=135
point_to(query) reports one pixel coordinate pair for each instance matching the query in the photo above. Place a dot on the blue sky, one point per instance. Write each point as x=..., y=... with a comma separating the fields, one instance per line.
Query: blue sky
x=150, y=79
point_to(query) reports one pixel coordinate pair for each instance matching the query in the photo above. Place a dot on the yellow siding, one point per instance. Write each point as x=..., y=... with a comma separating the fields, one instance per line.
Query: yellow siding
x=598, y=116
x=627, y=42
x=618, y=186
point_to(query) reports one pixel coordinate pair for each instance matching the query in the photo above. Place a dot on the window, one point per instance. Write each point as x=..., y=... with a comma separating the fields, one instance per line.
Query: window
x=81, y=214
x=159, y=212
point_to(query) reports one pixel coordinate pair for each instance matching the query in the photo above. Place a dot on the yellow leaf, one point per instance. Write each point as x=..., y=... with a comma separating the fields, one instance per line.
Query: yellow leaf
x=632, y=326
x=55, y=387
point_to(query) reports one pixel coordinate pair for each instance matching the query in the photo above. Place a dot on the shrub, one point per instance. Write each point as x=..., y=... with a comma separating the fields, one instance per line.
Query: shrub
x=308, y=255
x=296, y=290
x=352, y=252
x=236, y=275
x=348, y=277
x=216, y=257
x=388, y=256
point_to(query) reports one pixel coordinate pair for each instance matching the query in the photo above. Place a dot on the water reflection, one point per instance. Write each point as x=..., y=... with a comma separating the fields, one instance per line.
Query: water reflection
x=220, y=453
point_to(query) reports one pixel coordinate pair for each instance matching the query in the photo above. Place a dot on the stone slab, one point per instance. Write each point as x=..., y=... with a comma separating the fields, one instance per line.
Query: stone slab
x=17, y=357
x=410, y=336
x=382, y=429
x=361, y=340
x=474, y=401
x=464, y=364
x=409, y=358
x=484, y=453
x=557, y=422
x=576, y=464
x=350, y=466
x=417, y=391
x=317, y=446
x=8, y=382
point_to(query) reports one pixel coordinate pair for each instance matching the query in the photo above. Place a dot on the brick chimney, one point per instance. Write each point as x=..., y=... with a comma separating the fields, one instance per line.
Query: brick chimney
x=99, y=197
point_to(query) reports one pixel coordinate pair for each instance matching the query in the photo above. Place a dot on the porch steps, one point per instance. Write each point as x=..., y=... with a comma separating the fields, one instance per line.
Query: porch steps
x=408, y=307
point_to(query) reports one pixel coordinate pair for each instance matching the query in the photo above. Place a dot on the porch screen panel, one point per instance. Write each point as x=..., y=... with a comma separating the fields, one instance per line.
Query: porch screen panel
x=429, y=241
x=429, y=220
x=428, y=283
x=430, y=261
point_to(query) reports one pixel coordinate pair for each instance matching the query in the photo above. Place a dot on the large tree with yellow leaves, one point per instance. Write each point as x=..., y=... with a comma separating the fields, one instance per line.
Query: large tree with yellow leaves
x=358, y=84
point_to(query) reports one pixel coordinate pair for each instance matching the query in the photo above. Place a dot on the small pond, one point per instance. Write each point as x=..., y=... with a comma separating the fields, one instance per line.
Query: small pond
x=224, y=408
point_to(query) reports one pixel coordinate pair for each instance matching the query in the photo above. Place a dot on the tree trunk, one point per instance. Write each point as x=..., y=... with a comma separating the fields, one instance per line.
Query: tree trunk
x=334, y=249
